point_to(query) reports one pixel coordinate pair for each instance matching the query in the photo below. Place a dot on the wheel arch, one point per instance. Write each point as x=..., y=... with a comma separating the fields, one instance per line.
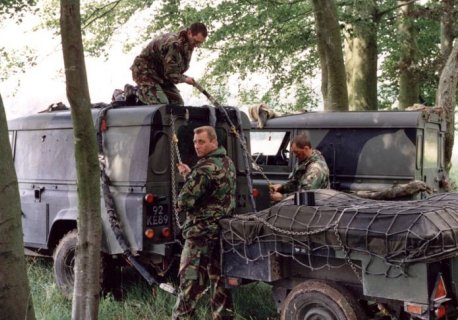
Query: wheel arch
x=64, y=222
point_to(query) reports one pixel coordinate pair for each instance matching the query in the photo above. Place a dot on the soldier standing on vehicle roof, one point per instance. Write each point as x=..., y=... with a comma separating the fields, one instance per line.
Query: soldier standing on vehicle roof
x=162, y=64
x=310, y=172
x=207, y=196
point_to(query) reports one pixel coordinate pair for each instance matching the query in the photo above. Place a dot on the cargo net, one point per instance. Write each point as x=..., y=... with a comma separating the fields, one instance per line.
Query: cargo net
x=335, y=224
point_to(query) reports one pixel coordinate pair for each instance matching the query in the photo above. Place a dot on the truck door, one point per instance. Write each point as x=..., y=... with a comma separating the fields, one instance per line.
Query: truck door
x=45, y=167
x=433, y=162
x=270, y=151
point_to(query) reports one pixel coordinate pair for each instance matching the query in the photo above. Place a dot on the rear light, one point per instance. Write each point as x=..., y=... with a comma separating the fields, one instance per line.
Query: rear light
x=413, y=308
x=255, y=193
x=149, y=233
x=440, y=292
x=149, y=198
x=166, y=232
x=233, y=282
x=441, y=311
x=103, y=125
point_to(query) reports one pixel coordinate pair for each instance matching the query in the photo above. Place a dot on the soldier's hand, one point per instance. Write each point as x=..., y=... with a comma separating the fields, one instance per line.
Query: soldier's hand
x=276, y=196
x=183, y=169
x=189, y=80
x=275, y=187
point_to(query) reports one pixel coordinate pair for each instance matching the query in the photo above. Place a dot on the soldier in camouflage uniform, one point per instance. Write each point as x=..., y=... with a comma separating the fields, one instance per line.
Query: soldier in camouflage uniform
x=311, y=171
x=162, y=64
x=207, y=195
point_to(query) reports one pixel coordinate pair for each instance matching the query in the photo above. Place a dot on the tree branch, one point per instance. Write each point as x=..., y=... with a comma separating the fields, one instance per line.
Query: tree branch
x=93, y=17
x=382, y=13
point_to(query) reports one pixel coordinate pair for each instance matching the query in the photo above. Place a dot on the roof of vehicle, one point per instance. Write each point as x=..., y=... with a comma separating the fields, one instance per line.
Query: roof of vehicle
x=353, y=119
x=119, y=116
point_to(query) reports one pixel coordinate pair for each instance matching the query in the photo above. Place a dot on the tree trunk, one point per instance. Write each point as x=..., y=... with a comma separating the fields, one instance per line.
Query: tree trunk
x=15, y=297
x=361, y=58
x=409, y=89
x=446, y=98
x=87, y=265
x=447, y=28
x=334, y=83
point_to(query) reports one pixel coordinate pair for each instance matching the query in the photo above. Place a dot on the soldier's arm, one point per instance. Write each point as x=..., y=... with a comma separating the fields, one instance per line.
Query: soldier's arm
x=313, y=177
x=172, y=65
x=293, y=183
x=195, y=187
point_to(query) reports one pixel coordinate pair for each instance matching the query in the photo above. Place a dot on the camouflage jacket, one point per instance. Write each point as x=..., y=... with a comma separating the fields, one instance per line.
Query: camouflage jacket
x=310, y=173
x=164, y=59
x=208, y=194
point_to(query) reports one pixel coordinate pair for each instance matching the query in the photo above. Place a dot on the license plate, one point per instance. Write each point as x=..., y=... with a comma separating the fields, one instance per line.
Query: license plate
x=157, y=215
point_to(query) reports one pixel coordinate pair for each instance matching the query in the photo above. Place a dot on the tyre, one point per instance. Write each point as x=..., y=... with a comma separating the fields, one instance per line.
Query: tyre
x=64, y=261
x=320, y=300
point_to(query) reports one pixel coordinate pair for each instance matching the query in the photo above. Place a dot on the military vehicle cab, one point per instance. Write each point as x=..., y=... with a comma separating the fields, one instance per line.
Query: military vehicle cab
x=137, y=144
x=365, y=151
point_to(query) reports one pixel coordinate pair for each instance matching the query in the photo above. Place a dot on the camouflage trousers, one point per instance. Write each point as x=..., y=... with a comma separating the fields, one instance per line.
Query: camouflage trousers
x=200, y=267
x=155, y=93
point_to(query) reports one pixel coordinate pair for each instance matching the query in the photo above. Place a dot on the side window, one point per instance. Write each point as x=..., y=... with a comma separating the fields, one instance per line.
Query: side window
x=11, y=136
x=45, y=155
x=419, y=150
x=270, y=147
x=431, y=149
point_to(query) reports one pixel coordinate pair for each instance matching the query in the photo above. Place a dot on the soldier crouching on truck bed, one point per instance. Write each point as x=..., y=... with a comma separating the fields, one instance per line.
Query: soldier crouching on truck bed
x=163, y=62
x=207, y=196
x=310, y=172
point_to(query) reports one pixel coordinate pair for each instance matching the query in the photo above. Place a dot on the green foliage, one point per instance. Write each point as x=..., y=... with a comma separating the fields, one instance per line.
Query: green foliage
x=100, y=21
x=15, y=9
x=427, y=28
x=16, y=61
x=138, y=301
x=273, y=38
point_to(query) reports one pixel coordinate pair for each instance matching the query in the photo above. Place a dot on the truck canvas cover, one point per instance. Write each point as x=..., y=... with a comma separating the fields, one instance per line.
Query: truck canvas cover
x=398, y=232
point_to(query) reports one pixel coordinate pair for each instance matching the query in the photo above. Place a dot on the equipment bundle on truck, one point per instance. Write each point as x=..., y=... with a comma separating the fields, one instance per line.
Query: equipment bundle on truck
x=328, y=255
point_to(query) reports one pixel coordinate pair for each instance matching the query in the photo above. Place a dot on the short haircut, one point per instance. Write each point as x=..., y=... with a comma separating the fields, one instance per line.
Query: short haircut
x=198, y=27
x=301, y=141
x=209, y=130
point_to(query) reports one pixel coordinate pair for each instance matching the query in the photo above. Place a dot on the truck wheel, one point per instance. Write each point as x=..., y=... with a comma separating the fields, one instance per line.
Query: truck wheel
x=319, y=300
x=64, y=261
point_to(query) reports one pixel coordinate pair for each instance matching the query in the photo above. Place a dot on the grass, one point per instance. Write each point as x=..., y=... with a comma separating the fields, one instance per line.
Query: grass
x=139, y=301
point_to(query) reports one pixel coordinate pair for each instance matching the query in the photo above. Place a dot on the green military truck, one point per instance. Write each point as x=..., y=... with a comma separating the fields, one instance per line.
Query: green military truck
x=331, y=255
x=137, y=145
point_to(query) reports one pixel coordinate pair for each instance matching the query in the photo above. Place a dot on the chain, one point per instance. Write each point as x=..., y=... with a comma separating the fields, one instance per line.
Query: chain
x=254, y=165
x=175, y=153
x=280, y=230
x=334, y=226
x=346, y=252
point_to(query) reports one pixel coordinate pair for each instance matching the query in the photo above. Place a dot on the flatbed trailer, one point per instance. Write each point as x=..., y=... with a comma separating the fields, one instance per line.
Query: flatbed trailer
x=330, y=255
